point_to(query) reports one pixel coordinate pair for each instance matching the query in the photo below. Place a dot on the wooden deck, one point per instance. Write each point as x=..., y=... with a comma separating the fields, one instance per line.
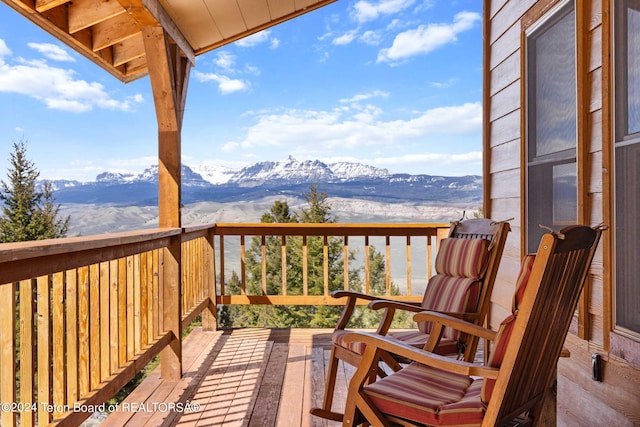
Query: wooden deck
x=247, y=377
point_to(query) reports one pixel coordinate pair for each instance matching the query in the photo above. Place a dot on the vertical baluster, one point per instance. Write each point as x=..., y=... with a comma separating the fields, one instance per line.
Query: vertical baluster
x=387, y=266
x=94, y=325
x=130, y=307
x=136, y=304
x=58, y=344
x=149, y=297
x=144, y=299
x=367, y=278
x=104, y=321
x=27, y=370
x=325, y=264
x=242, y=266
x=71, y=304
x=283, y=250
x=122, y=311
x=409, y=268
x=8, y=350
x=305, y=266
x=263, y=251
x=156, y=295
x=113, y=316
x=84, y=379
x=44, y=351
x=345, y=262
x=429, y=258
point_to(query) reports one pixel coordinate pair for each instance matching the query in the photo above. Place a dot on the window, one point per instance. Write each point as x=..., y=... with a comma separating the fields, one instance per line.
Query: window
x=627, y=165
x=551, y=124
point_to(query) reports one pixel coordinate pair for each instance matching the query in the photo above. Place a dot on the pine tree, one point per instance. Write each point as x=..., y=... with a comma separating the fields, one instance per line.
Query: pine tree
x=28, y=212
x=318, y=210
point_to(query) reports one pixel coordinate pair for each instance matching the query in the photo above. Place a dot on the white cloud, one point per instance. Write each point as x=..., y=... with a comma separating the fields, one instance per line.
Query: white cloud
x=364, y=96
x=226, y=85
x=364, y=11
x=345, y=38
x=52, y=51
x=371, y=37
x=225, y=61
x=427, y=38
x=4, y=50
x=445, y=84
x=58, y=88
x=259, y=38
x=347, y=128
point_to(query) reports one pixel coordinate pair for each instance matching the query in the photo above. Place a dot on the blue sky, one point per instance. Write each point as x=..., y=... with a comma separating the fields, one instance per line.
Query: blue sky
x=394, y=84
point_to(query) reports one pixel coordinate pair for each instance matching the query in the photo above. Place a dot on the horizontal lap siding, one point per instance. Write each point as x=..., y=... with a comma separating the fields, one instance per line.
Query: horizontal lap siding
x=580, y=400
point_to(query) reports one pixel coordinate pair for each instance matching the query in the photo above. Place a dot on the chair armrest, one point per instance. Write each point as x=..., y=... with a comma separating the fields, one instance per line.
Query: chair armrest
x=375, y=342
x=352, y=294
x=350, y=304
x=441, y=320
x=390, y=308
x=379, y=304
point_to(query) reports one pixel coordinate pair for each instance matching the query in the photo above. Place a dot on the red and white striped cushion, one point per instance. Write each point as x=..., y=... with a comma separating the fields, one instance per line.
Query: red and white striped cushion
x=428, y=395
x=450, y=294
x=462, y=257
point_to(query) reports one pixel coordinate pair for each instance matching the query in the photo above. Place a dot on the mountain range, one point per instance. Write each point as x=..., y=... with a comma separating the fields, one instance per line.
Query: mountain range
x=289, y=178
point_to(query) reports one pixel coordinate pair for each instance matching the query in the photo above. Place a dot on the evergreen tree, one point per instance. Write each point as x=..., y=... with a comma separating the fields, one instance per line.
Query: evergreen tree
x=28, y=213
x=318, y=210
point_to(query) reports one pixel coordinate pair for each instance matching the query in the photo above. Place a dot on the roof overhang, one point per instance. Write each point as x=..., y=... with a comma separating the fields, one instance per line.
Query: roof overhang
x=109, y=32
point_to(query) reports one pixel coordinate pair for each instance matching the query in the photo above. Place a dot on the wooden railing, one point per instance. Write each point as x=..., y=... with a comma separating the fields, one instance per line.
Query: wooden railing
x=79, y=317
x=428, y=234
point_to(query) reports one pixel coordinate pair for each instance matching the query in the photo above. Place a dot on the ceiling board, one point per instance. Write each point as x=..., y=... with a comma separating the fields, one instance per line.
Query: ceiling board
x=255, y=12
x=227, y=17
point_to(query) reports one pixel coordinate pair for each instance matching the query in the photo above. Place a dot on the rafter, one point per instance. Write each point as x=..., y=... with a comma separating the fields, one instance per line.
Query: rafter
x=85, y=13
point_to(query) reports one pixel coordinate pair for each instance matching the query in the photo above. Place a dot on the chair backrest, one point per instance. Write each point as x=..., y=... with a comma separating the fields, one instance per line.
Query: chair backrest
x=494, y=231
x=543, y=318
x=466, y=268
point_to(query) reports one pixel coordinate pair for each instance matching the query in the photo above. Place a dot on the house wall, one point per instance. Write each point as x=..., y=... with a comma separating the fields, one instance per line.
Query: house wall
x=580, y=400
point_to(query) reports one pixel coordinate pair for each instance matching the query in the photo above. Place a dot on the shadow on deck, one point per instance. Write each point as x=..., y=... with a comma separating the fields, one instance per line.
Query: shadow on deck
x=244, y=377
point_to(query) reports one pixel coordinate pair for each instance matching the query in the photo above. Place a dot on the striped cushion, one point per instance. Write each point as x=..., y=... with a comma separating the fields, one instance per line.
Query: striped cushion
x=462, y=257
x=416, y=338
x=428, y=395
x=447, y=346
x=506, y=327
x=338, y=339
x=450, y=294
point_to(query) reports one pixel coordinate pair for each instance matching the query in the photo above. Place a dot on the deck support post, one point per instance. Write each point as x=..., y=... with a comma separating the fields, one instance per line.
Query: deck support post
x=209, y=315
x=169, y=73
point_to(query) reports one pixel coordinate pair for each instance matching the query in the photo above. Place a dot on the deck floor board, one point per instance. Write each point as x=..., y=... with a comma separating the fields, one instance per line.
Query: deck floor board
x=244, y=377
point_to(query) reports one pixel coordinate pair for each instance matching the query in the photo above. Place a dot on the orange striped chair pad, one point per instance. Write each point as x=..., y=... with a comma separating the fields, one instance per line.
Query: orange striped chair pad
x=430, y=396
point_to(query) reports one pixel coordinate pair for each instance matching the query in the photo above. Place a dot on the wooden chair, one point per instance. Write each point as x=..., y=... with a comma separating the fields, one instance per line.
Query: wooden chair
x=466, y=266
x=509, y=390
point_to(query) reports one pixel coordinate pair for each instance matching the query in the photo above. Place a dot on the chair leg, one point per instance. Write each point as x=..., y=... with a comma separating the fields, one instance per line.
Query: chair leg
x=330, y=384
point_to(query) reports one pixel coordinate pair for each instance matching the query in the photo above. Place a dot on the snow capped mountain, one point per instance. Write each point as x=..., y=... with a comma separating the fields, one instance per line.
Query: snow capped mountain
x=290, y=170
x=346, y=171
x=288, y=178
x=214, y=174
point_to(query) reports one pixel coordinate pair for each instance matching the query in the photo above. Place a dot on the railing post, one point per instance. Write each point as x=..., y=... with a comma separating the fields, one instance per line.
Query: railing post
x=209, y=315
x=171, y=356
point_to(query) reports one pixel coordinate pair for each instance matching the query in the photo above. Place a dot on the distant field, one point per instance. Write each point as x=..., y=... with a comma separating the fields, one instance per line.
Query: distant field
x=88, y=219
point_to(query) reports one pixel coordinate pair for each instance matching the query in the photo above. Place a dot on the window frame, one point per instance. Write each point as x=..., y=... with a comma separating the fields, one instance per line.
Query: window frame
x=620, y=139
x=571, y=155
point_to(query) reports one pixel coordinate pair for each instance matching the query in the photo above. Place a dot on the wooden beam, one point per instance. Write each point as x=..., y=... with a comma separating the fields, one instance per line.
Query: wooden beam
x=128, y=50
x=44, y=5
x=84, y=14
x=169, y=72
x=151, y=13
x=114, y=30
